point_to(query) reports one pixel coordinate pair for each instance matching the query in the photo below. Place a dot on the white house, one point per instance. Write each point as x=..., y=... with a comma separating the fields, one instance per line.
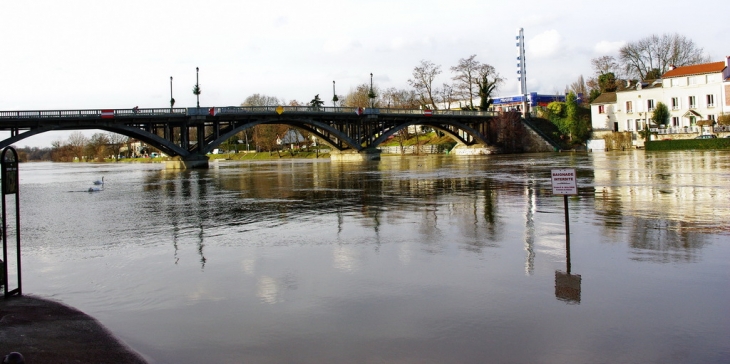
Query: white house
x=692, y=94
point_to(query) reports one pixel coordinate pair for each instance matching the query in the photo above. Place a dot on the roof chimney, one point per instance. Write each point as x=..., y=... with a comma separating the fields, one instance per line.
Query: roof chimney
x=671, y=67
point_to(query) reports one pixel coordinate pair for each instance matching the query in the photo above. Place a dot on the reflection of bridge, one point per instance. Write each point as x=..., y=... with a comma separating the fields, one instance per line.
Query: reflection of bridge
x=190, y=133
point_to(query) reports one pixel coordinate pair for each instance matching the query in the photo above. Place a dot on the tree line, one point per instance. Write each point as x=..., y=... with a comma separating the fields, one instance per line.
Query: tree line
x=645, y=59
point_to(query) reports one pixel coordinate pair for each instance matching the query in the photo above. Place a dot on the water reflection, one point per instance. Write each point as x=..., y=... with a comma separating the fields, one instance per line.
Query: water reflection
x=661, y=202
x=407, y=260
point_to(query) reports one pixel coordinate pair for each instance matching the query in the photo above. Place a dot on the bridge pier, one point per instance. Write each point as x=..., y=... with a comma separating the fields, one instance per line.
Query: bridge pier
x=355, y=156
x=477, y=149
x=195, y=161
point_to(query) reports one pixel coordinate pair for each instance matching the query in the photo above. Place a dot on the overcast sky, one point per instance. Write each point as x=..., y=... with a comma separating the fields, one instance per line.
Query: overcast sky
x=90, y=54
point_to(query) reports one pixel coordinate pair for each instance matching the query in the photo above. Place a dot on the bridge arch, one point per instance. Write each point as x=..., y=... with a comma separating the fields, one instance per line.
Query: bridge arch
x=453, y=129
x=331, y=136
x=154, y=140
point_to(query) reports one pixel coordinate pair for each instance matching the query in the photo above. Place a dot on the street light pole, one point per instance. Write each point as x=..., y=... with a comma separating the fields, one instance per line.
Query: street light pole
x=172, y=101
x=197, y=86
x=334, y=95
x=371, y=95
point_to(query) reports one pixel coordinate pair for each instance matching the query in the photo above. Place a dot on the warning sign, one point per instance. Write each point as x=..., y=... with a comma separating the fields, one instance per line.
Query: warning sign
x=564, y=182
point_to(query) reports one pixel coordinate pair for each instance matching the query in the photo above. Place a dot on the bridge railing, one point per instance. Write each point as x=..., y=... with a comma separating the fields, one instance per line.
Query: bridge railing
x=92, y=113
x=227, y=110
x=233, y=110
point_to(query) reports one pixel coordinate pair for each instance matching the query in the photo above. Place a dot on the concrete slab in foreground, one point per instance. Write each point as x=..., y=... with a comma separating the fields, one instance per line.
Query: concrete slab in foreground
x=49, y=332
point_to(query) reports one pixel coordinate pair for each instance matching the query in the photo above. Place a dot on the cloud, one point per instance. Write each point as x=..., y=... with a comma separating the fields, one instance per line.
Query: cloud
x=545, y=44
x=340, y=45
x=606, y=47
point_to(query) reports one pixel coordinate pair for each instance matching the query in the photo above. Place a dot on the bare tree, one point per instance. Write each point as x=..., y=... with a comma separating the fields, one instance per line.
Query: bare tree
x=116, y=141
x=400, y=98
x=360, y=96
x=261, y=100
x=605, y=64
x=422, y=81
x=76, y=143
x=446, y=95
x=264, y=135
x=465, y=81
x=655, y=54
x=97, y=146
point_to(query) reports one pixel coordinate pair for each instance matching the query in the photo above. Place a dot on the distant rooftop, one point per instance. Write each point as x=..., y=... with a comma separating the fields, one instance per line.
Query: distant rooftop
x=697, y=69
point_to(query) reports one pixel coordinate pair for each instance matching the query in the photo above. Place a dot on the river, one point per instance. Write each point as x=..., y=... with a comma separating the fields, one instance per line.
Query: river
x=408, y=260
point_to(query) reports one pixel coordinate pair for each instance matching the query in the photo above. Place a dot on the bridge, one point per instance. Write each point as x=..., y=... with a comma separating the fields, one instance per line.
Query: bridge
x=187, y=134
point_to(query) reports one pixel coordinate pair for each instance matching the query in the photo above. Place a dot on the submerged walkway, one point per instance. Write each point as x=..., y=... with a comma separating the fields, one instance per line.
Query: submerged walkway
x=49, y=332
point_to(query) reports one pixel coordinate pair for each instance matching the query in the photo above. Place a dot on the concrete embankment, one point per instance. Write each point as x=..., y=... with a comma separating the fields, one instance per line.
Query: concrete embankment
x=45, y=331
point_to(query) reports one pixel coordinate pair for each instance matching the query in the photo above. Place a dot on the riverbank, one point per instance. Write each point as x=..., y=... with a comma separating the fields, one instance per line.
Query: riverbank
x=45, y=331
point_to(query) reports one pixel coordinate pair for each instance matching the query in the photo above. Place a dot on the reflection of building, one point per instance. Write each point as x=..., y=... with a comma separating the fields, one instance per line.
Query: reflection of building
x=695, y=96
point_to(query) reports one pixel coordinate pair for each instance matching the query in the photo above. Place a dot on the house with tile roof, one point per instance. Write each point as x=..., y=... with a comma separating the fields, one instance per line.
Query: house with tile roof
x=695, y=95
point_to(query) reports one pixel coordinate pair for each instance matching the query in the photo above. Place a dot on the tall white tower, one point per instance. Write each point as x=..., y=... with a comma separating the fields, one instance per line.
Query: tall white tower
x=522, y=74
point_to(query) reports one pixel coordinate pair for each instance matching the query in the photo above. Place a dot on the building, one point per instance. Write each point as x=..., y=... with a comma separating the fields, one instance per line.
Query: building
x=695, y=96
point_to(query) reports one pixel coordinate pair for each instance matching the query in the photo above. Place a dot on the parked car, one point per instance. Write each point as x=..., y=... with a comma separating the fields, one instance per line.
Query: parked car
x=706, y=136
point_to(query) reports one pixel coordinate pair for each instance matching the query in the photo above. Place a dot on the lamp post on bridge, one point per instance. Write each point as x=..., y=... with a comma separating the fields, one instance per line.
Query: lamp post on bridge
x=172, y=101
x=196, y=89
x=371, y=94
x=334, y=97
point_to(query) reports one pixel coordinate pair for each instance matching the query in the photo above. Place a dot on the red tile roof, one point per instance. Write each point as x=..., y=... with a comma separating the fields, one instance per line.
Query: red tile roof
x=696, y=69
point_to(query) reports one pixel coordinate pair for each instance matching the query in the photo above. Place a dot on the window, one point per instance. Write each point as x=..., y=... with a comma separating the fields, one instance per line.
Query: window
x=692, y=102
x=711, y=117
x=675, y=103
x=675, y=121
x=710, y=100
x=650, y=105
x=629, y=123
x=601, y=109
x=629, y=107
x=693, y=80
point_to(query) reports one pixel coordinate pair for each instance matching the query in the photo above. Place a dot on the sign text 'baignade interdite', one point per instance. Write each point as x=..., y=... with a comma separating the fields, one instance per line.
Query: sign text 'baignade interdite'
x=564, y=181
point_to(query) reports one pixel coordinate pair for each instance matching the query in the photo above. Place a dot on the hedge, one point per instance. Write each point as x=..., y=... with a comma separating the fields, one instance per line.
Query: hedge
x=688, y=144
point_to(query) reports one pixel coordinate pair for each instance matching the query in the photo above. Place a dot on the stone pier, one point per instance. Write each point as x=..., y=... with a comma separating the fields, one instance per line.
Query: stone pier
x=189, y=162
x=355, y=156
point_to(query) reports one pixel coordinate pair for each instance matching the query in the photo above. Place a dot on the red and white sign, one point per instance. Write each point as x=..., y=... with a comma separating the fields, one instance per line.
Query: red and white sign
x=212, y=111
x=107, y=114
x=358, y=111
x=427, y=112
x=564, y=181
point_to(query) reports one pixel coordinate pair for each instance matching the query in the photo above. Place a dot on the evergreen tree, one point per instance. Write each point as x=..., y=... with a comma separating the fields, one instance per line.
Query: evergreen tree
x=661, y=114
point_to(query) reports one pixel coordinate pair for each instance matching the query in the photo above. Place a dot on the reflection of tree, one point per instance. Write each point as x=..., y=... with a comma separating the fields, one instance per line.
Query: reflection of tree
x=374, y=195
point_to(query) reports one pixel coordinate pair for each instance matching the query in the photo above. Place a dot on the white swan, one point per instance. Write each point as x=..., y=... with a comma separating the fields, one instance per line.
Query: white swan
x=99, y=182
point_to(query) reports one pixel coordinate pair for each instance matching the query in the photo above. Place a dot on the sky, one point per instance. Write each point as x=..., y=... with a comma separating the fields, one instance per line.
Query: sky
x=92, y=54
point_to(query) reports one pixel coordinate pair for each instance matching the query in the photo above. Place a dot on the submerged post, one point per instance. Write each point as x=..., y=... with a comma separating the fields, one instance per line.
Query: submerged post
x=9, y=170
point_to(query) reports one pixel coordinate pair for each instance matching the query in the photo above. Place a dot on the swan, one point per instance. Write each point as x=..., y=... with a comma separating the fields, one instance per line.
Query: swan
x=99, y=182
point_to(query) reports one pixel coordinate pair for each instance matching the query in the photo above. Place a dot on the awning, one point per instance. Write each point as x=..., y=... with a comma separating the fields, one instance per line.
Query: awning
x=692, y=113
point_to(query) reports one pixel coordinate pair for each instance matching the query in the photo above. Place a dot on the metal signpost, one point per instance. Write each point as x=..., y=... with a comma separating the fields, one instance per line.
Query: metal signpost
x=567, y=286
x=9, y=170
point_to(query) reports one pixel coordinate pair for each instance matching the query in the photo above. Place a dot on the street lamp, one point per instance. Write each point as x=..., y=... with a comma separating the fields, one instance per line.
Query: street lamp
x=371, y=94
x=196, y=89
x=172, y=101
x=334, y=95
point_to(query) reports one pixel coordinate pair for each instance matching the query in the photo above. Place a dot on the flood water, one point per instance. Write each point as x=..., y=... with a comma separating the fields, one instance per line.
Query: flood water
x=438, y=259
